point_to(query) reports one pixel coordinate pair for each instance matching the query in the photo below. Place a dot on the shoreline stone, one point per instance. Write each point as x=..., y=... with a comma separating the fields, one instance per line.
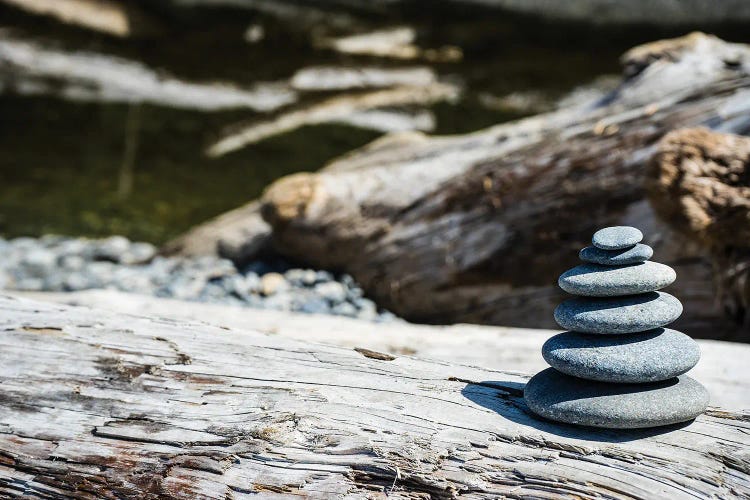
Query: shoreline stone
x=628, y=358
x=634, y=255
x=596, y=280
x=572, y=400
x=617, y=237
x=615, y=315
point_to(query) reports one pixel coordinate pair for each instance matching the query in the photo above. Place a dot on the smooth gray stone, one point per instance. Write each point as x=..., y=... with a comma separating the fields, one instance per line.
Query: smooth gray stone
x=616, y=237
x=633, y=255
x=629, y=358
x=595, y=280
x=572, y=400
x=612, y=315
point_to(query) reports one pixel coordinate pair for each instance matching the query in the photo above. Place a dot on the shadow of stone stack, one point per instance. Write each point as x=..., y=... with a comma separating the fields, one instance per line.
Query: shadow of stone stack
x=617, y=366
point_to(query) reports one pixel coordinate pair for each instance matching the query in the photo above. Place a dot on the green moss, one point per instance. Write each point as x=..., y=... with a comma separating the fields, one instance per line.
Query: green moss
x=61, y=164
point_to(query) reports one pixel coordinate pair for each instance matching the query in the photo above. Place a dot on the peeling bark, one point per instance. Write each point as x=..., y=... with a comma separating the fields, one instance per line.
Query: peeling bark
x=102, y=405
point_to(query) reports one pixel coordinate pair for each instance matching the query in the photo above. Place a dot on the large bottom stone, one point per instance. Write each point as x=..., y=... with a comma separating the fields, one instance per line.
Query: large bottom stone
x=572, y=400
x=626, y=358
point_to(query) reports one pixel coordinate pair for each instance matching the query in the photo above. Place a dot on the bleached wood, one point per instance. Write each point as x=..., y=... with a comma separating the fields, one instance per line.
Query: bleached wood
x=722, y=369
x=477, y=227
x=97, y=404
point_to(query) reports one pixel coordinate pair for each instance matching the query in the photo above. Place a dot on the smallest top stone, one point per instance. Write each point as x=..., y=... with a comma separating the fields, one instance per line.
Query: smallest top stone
x=616, y=237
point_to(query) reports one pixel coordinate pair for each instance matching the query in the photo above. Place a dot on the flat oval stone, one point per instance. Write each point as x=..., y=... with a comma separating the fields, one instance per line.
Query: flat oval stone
x=572, y=400
x=612, y=315
x=633, y=255
x=628, y=358
x=595, y=280
x=616, y=237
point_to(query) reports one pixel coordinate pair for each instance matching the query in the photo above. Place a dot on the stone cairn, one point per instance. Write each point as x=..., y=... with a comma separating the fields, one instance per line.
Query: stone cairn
x=617, y=367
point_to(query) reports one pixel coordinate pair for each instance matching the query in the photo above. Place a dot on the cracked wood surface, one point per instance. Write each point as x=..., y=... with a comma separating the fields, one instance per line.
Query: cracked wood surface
x=722, y=368
x=97, y=404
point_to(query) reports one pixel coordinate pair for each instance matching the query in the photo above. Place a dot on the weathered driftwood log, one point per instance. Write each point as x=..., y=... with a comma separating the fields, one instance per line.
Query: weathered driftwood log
x=477, y=227
x=240, y=235
x=722, y=369
x=699, y=182
x=121, y=19
x=99, y=405
x=653, y=12
x=27, y=67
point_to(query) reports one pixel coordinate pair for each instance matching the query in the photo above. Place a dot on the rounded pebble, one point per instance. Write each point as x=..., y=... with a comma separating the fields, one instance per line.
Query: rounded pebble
x=596, y=280
x=61, y=263
x=629, y=358
x=630, y=314
x=616, y=237
x=572, y=400
x=634, y=255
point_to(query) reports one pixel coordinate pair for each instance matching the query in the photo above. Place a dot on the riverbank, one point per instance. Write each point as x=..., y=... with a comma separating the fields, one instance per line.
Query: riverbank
x=66, y=264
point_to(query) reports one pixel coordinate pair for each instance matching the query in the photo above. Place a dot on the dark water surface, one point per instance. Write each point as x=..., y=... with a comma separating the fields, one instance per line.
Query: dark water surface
x=61, y=162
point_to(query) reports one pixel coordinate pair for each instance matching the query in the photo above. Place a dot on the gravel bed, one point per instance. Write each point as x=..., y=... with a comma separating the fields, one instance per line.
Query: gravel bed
x=58, y=263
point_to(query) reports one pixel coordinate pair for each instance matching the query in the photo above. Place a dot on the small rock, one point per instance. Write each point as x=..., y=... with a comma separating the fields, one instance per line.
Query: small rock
x=112, y=248
x=596, y=280
x=616, y=237
x=138, y=253
x=301, y=277
x=634, y=255
x=563, y=398
x=345, y=309
x=315, y=305
x=39, y=262
x=321, y=276
x=72, y=262
x=628, y=358
x=630, y=314
x=332, y=291
x=272, y=283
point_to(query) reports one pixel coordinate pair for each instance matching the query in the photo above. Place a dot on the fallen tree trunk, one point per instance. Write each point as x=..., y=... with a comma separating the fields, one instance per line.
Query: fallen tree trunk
x=700, y=183
x=97, y=404
x=477, y=228
x=722, y=369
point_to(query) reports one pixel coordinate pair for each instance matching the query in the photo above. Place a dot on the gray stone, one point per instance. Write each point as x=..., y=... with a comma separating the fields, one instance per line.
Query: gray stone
x=112, y=248
x=633, y=255
x=595, y=280
x=616, y=237
x=628, y=358
x=572, y=400
x=331, y=290
x=39, y=262
x=630, y=314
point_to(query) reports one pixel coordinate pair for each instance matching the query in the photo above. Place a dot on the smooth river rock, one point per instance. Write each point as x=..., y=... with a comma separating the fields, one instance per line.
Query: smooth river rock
x=616, y=237
x=629, y=314
x=596, y=280
x=572, y=400
x=633, y=255
x=628, y=358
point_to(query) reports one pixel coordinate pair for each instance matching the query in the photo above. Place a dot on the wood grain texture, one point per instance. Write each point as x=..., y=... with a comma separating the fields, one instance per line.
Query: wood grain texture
x=101, y=405
x=722, y=368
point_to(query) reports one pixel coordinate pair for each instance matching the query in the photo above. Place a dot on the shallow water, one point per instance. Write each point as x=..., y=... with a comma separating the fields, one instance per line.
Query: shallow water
x=64, y=165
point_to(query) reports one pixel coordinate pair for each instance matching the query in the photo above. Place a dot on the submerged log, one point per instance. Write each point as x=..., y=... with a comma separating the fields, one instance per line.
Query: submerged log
x=477, y=227
x=699, y=182
x=97, y=404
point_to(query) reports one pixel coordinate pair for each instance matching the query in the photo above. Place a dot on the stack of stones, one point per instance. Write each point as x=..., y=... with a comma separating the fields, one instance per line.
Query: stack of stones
x=617, y=366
